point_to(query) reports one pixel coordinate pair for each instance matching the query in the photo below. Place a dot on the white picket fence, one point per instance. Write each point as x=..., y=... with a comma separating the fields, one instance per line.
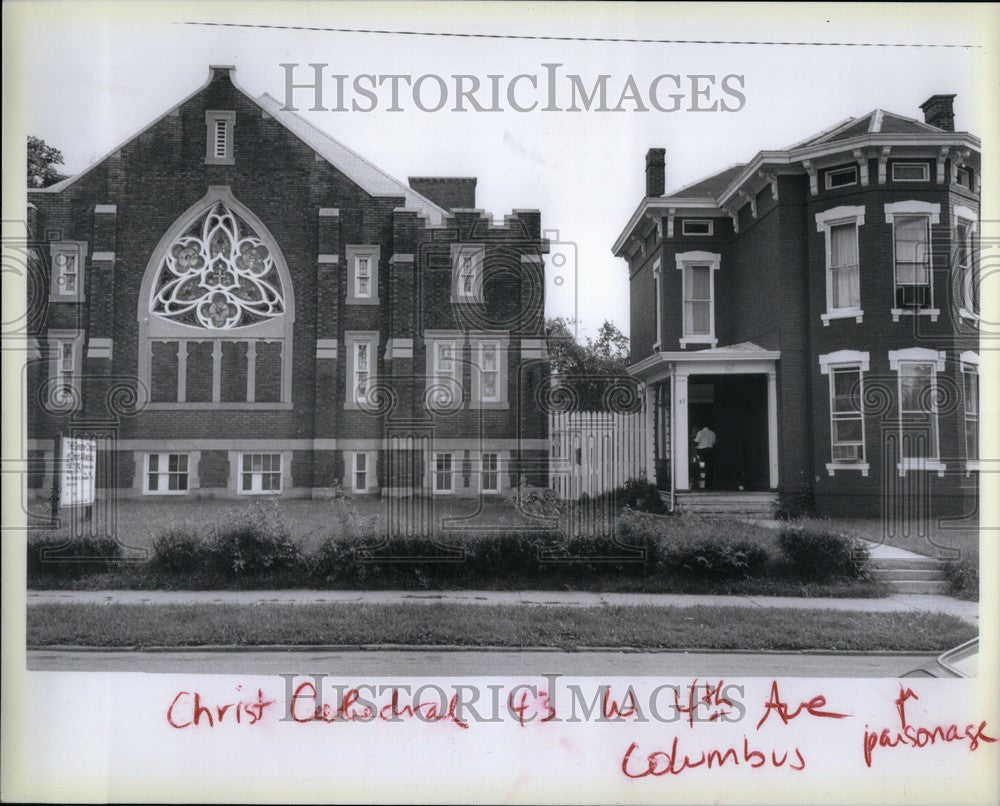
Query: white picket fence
x=593, y=452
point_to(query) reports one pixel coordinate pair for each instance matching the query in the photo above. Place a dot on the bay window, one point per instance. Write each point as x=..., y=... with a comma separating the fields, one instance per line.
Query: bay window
x=919, y=437
x=912, y=259
x=846, y=369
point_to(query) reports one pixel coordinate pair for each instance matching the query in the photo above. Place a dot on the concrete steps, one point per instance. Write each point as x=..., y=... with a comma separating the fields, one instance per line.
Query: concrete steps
x=756, y=504
x=911, y=575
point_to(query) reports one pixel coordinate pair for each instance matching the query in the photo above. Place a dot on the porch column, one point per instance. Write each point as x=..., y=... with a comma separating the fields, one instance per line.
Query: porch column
x=772, y=426
x=648, y=424
x=679, y=431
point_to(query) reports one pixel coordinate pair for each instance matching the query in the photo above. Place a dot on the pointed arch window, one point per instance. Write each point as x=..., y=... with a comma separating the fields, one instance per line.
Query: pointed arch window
x=216, y=312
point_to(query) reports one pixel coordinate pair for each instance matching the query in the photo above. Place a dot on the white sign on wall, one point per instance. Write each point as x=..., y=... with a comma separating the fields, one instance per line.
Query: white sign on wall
x=78, y=471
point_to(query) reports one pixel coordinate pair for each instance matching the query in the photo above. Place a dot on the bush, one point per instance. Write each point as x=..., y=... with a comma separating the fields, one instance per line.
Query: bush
x=177, y=550
x=797, y=503
x=251, y=542
x=642, y=496
x=824, y=554
x=963, y=577
x=718, y=557
x=60, y=556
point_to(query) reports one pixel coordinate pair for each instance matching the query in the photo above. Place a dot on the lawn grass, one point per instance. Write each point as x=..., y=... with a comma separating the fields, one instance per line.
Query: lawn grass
x=641, y=627
x=945, y=541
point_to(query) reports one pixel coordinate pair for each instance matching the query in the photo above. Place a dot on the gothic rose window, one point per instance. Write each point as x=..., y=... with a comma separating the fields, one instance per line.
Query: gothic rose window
x=218, y=275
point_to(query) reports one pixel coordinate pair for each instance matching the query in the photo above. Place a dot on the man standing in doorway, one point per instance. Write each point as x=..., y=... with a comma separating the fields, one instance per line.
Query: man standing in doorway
x=704, y=442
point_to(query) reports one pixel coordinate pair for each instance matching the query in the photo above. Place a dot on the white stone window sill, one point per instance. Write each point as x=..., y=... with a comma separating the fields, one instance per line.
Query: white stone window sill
x=972, y=466
x=165, y=492
x=921, y=464
x=703, y=340
x=832, y=467
x=933, y=313
x=844, y=313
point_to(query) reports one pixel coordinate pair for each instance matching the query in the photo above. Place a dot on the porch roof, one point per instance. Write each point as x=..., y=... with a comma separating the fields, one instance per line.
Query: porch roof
x=743, y=358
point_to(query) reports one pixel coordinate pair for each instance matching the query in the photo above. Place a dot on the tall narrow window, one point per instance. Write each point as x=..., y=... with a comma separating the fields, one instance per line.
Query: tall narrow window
x=490, y=473
x=847, y=425
x=261, y=473
x=912, y=241
x=918, y=410
x=658, y=303
x=166, y=473
x=363, y=276
x=845, y=289
x=67, y=271
x=841, y=228
x=970, y=388
x=698, y=296
x=443, y=480
x=966, y=281
x=467, y=272
x=362, y=371
x=360, y=477
x=698, y=301
x=489, y=371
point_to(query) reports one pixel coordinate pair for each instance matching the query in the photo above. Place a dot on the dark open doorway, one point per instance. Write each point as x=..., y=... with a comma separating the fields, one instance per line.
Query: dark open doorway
x=735, y=408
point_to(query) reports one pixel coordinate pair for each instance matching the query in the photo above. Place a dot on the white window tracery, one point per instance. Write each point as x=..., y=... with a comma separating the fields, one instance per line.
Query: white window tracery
x=218, y=275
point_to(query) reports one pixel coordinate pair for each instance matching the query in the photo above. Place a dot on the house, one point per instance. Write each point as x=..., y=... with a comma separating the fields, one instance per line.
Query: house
x=238, y=304
x=818, y=308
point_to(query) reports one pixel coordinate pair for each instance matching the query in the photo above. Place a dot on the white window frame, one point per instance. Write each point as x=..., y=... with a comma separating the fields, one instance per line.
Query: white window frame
x=500, y=341
x=60, y=376
x=829, y=364
x=60, y=252
x=684, y=261
x=825, y=221
x=970, y=366
x=925, y=176
x=363, y=272
x=966, y=276
x=473, y=258
x=213, y=119
x=444, y=385
x=483, y=471
x=359, y=392
x=163, y=475
x=658, y=292
x=898, y=359
x=497, y=349
x=257, y=476
x=699, y=221
x=828, y=177
x=450, y=471
x=357, y=470
x=933, y=214
x=354, y=254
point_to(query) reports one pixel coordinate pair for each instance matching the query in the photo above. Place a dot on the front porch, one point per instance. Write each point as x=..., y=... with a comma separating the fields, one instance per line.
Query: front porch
x=731, y=390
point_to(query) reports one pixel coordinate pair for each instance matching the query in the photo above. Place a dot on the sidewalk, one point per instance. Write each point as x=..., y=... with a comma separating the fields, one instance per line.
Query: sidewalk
x=967, y=611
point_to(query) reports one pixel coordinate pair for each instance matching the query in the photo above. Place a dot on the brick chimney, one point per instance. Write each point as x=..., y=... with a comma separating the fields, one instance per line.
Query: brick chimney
x=655, y=171
x=939, y=111
x=449, y=192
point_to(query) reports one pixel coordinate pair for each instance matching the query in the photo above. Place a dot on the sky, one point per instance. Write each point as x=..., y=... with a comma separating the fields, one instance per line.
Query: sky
x=94, y=75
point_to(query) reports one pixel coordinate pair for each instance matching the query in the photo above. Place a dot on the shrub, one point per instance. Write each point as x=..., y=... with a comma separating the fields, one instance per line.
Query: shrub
x=824, y=554
x=797, y=503
x=642, y=496
x=251, y=542
x=60, y=556
x=963, y=577
x=177, y=550
x=716, y=556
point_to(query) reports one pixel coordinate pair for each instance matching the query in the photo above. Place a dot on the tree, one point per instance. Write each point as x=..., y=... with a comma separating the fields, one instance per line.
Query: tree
x=42, y=159
x=591, y=369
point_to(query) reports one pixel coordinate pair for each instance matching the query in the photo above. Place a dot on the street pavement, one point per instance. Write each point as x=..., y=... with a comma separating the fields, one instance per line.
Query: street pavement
x=429, y=663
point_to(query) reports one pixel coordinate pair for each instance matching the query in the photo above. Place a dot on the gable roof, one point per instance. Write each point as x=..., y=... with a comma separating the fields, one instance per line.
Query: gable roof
x=373, y=180
x=366, y=175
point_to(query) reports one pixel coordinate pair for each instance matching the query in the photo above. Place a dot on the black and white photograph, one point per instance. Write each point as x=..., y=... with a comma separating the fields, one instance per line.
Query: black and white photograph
x=487, y=402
